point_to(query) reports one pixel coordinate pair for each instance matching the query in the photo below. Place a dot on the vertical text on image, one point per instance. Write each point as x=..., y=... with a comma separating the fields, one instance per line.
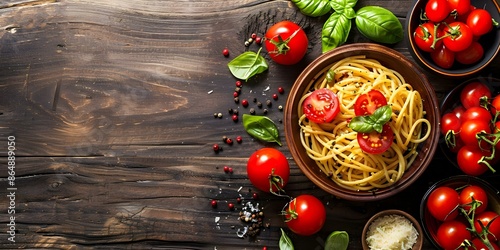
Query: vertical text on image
x=11, y=188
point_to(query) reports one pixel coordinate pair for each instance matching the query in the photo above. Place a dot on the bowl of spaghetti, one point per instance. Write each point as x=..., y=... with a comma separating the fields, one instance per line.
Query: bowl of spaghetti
x=329, y=153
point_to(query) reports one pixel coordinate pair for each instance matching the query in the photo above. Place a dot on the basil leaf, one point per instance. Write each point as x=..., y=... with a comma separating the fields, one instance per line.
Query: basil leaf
x=261, y=127
x=337, y=240
x=335, y=31
x=330, y=76
x=375, y=121
x=340, y=5
x=247, y=65
x=313, y=8
x=379, y=24
x=285, y=242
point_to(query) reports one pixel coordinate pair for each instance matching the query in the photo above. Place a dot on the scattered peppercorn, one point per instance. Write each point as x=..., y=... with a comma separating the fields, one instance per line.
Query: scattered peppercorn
x=252, y=111
x=236, y=99
x=247, y=44
x=219, y=115
x=216, y=148
x=244, y=102
x=236, y=94
x=225, y=52
x=215, y=115
x=235, y=111
x=235, y=118
x=239, y=139
x=229, y=141
x=281, y=90
x=258, y=40
x=265, y=111
x=269, y=103
x=255, y=196
x=250, y=40
x=253, y=36
x=237, y=89
x=226, y=169
x=239, y=84
x=230, y=170
x=280, y=107
x=259, y=104
x=230, y=111
x=275, y=96
x=238, y=200
x=230, y=206
x=213, y=203
x=254, y=99
x=224, y=138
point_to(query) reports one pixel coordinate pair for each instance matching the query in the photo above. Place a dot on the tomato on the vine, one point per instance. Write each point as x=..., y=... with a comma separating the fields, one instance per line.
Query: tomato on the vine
x=443, y=57
x=495, y=105
x=286, y=42
x=450, y=122
x=479, y=245
x=469, y=130
x=321, y=106
x=437, y=10
x=443, y=203
x=469, y=160
x=459, y=111
x=366, y=104
x=494, y=227
x=472, y=93
x=470, y=55
x=457, y=36
x=424, y=36
x=268, y=170
x=477, y=112
x=374, y=142
x=474, y=193
x=480, y=22
x=305, y=215
x=461, y=7
x=451, y=234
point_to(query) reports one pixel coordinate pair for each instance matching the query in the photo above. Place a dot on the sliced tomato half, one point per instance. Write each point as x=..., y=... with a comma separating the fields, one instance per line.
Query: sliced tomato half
x=367, y=103
x=321, y=106
x=374, y=142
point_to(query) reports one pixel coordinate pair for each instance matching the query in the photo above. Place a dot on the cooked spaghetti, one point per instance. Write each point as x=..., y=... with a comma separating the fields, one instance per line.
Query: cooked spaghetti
x=334, y=147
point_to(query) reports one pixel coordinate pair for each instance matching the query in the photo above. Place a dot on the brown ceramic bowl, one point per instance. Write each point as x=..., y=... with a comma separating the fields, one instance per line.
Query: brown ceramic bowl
x=430, y=225
x=490, y=41
x=420, y=238
x=391, y=59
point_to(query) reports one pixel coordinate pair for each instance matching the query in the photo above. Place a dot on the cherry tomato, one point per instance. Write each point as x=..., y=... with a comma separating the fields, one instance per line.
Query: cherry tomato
x=286, y=42
x=469, y=130
x=437, y=10
x=485, y=218
x=443, y=203
x=451, y=234
x=424, y=36
x=458, y=145
x=479, y=245
x=480, y=22
x=471, y=94
x=459, y=111
x=458, y=36
x=321, y=106
x=468, y=158
x=443, y=57
x=477, y=112
x=474, y=192
x=366, y=104
x=461, y=7
x=305, y=215
x=268, y=169
x=495, y=105
x=470, y=55
x=450, y=122
x=374, y=142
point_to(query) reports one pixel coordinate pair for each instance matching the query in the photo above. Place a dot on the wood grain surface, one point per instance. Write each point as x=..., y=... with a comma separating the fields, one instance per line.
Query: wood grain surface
x=112, y=105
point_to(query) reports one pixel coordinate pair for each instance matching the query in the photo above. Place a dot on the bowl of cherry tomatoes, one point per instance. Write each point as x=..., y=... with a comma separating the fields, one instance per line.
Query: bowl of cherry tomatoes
x=470, y=126
x=460, y=211
x=453, y=38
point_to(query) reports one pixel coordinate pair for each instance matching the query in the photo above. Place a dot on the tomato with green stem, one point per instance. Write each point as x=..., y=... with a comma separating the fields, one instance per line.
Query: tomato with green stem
x=457, y=36
x=491, y=220
x=286, y=42
x=425, y=35
x=460, y=7
x=480, y=22
x=471, y=160
x=472, y=93
x=443, y=203
x=451, y=234
x=470, y=129
x=268, y=170
x=474, y=194
x=305, y=215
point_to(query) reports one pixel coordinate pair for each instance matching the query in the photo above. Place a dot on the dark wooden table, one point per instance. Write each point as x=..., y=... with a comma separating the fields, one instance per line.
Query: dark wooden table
x=111, y=108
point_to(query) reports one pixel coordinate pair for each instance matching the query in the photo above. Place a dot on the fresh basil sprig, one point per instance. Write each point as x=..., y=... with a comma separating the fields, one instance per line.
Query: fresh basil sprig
x=261, y=127
x=247, y=65
x=374, y=22
x=285, y=241
x=375, y=121
x=337, y=240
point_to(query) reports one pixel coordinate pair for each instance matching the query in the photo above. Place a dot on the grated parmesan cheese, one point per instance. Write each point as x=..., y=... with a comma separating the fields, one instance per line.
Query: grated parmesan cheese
x=391, y=232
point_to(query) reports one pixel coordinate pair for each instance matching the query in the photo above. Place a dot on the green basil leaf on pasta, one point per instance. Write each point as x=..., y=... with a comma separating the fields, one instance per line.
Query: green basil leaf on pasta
x=375, y=121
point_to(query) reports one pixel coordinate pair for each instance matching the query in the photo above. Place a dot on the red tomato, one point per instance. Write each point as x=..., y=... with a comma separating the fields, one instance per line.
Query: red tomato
x=477, y=112
x=469, y=130
x=479, y=245
x=424, y=36
x=485, y=218
x=480, y=22
x=305, y=215
x=450, y=122
x=366, y=104
x=268, y=169
x=459, y=36
x=495, y=105
x=476, y=193
x=443, y=203
x=458, y=145
x=374, y=142
x=459, y=6
x=471, y=94
x=286, y=42
x=468, y=158
x=443, y=57
x=321, y=106
x=459, y=111
x=470, y=55
x=451, y=234
x=437, y=10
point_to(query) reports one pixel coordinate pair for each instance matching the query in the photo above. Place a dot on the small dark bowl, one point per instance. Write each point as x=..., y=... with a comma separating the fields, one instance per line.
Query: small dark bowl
x=430, y=225
x=420, y=238
x=391, y=59
x=452, y=100
x=490, y=41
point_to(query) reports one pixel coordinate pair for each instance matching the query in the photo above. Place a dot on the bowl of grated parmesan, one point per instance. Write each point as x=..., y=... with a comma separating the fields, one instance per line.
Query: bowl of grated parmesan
x=392, y=230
